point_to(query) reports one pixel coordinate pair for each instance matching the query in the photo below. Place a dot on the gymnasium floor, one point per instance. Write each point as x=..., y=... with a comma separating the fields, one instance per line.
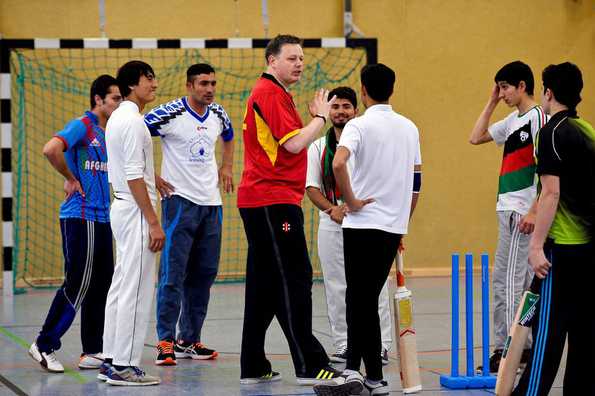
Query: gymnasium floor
x=22, y=316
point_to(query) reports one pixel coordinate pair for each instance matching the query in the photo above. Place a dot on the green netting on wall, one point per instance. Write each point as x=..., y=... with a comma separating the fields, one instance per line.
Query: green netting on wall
x=50, y=87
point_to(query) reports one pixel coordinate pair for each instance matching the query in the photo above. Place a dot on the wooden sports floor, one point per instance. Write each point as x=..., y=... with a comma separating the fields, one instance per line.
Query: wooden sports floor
x=22, y=315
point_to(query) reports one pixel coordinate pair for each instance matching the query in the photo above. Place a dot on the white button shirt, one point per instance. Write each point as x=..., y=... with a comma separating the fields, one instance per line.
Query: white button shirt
x=129, y=151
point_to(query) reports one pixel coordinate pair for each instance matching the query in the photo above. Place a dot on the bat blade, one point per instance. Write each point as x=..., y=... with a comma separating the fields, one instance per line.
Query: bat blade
x=405, y=333
x=515, y=343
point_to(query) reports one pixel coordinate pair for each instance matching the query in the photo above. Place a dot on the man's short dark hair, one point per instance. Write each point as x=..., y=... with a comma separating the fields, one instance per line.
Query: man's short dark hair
x=379, y=81
x=196, y=69
x=101, y=87
x=515, y=72
x=274, y=46
x=566, y=83
x=345, y=93
x=129, y=74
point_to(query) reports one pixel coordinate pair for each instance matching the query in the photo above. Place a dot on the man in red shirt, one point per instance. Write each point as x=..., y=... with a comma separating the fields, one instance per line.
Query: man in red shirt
x=279, y=273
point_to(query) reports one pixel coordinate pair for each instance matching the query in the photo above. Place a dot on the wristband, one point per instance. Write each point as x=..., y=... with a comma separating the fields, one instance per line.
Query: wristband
x=321, y=116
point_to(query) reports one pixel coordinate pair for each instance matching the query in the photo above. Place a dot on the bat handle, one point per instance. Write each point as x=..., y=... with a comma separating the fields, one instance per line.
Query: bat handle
x=400, y=273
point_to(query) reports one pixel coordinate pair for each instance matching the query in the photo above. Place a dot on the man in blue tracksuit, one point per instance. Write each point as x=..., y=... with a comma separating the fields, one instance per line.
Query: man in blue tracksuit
x=78, y=153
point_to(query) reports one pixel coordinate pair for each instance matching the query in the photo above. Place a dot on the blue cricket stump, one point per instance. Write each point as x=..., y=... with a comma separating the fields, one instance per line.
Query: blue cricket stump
x=471, y=380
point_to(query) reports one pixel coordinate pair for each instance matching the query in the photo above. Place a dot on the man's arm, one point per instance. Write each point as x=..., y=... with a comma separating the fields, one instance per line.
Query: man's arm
x=138, y=188
x=54, y=152
x=527, y=223
x=546, y=211
x=479, y=133
x=226, y=170
x=334, y=211
x=342, y=178
x=134, y=165
x=319, y=106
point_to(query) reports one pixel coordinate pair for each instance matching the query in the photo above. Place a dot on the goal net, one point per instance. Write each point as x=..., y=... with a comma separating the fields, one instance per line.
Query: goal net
x=50, y=86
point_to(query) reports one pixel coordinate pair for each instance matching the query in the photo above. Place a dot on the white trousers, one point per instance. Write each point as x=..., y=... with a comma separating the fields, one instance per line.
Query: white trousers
x=130, y=296
x=330, y=252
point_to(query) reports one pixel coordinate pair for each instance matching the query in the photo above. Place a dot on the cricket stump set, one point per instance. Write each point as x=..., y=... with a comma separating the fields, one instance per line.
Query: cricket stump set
x=510, y=362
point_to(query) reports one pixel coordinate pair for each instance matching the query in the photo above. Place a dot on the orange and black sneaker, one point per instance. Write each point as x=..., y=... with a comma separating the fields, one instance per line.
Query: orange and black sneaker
x=165, y=353
x=194, y=350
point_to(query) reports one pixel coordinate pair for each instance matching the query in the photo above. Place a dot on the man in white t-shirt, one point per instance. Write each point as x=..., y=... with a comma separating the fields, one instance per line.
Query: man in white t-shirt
x=512, y=274
x=189, y=128
x=324, y=194
x=136, y=229
x=380, y=196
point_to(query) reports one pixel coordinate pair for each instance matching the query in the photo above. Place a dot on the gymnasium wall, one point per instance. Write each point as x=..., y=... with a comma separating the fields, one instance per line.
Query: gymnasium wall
x=445, y=54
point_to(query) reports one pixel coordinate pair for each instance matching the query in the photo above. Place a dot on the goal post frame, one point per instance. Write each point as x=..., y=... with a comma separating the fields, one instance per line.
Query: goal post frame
x=370, y=45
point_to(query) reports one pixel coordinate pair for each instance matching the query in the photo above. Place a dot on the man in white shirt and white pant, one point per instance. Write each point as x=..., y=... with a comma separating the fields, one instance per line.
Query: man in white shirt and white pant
x=135, y=226
x=380, y=196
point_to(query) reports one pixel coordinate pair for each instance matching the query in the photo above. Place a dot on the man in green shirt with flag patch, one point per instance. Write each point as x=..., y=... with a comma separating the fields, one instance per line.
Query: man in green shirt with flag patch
x=516, y=192
x=561, y=251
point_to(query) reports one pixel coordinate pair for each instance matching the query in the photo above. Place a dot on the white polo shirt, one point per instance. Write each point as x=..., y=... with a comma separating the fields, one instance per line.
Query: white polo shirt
x=314, y=179
x=385, y=148
x=189, y=141
x=129, y=151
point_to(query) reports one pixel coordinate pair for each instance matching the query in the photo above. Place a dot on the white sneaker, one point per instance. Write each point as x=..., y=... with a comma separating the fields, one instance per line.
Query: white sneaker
x=91, y=361
x=377, y=389
x=47, y=360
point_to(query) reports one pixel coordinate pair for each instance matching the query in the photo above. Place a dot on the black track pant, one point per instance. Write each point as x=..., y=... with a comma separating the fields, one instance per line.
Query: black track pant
x=278, y=284
x=565, y=310
x=369, y=255
x=88, y=269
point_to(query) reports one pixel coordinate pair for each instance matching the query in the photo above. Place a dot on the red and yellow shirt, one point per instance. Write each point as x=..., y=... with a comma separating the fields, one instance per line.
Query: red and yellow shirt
x=272, y=175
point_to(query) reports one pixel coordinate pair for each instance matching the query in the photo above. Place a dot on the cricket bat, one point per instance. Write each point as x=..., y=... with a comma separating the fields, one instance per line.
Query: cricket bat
x=515, y=343
x=405, y=332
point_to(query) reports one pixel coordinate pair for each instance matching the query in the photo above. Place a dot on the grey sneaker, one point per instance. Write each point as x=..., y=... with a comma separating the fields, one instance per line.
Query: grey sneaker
x=131, y=376
x=348, y=383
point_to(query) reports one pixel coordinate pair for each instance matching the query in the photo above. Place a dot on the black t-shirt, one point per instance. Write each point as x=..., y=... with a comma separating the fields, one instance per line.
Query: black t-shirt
x=566, y=148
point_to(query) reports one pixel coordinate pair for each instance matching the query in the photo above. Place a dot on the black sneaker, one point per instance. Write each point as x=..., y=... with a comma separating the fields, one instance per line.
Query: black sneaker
x=165, y=354
x=269, y=377
x=340, y=355
x=321, y=376
x=196, y=351
x=348, y=383
x=494, y=362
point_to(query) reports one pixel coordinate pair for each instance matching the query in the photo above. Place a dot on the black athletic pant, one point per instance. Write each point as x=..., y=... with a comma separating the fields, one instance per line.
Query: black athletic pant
x=369, y=255
x=565, y=309
x=88, y=270
x=278, y=284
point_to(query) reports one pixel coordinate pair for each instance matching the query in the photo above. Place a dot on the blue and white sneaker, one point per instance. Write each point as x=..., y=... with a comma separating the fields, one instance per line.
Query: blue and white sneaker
x=104, y=369
x=131, y=376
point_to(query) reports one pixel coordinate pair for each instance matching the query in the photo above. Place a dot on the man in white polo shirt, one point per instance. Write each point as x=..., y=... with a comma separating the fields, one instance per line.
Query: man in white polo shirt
x=189, y=128
x=380, y=198
x=322, y=190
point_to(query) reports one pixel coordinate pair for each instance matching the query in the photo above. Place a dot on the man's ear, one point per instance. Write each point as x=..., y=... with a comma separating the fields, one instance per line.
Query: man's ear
x=522, y=86
x=98, y=100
